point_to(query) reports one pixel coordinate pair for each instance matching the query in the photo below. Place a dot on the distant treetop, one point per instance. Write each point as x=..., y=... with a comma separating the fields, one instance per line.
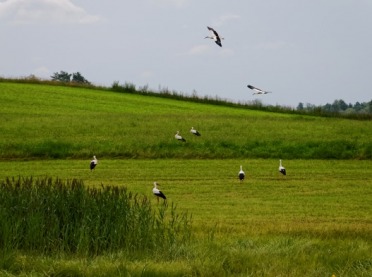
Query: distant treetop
x=66, y=77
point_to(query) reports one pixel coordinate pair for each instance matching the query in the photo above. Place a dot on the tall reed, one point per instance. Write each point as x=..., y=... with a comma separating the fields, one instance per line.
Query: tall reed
x=49, y=215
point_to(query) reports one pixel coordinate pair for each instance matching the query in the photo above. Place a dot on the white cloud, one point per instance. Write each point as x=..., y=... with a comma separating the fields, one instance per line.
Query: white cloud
x=274, y=45
x=44, y=11
x=198, y=49
x=146, y=74
x=226, y=52
x=226, y=18
x=212, y=49
x=42, y=72
x=176, y=3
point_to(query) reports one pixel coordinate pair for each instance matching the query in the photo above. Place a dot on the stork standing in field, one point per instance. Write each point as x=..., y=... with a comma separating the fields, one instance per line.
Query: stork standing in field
x=215, y=36
x=282, y=168
x=258, y=90
x=241, y=174
x=179, y=137
x=93, y=163
x=157, y=192
x=195, y=132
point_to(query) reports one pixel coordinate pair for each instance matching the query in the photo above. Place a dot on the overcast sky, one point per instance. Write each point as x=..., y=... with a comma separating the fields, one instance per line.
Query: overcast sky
x=310, y=51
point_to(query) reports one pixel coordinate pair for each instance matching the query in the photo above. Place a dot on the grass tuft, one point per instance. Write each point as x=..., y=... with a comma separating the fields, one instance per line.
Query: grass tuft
x=48, y=215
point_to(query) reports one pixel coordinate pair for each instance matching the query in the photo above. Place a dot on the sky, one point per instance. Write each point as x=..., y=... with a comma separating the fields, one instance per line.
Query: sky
x=302, y=51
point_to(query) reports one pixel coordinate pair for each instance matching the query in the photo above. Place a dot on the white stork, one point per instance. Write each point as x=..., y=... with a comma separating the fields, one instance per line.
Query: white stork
x=93, y=163
x=215, y=36
x=241, y=174
x=257, y=90
x=282, y=168
x=157, y=192
x=179, y=137
x=195, y=132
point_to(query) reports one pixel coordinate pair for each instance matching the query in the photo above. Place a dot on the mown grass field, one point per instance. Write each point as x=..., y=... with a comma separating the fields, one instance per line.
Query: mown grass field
x=316, y=221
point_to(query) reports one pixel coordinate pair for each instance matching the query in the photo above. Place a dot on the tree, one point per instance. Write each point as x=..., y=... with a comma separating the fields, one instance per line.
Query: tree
x=65, y=77
x=339, y=105
x=78, y=78
x=358, y=106
x=300, y=106
x=62, y=76
x=327, y=107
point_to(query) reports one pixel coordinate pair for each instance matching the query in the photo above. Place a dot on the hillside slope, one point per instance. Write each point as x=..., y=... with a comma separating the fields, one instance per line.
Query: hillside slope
x=44, y=121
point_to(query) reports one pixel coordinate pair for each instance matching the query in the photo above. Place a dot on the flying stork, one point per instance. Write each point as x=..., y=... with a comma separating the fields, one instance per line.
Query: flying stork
x=195, y=132
x=241, y=174
x=157, y=192
x=257, y=90
x=93, y=163
x=179, y=137
x=282, y=168
x=215, y=36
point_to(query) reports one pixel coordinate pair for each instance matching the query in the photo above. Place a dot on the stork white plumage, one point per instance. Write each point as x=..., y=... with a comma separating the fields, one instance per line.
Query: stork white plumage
x=195, y=132
x=215, y=36
x=258, y=90
x=157, y=192
x=282, y=168
x=179, y=137
x=241, y=174
x=93, y=163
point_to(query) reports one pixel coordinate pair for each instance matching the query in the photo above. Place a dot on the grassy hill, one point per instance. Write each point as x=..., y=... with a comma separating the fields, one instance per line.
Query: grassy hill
x=315, y=221
x=46, y=121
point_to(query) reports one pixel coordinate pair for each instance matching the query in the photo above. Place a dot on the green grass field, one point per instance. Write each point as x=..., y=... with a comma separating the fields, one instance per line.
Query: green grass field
x=41, y=121
x=316, y=221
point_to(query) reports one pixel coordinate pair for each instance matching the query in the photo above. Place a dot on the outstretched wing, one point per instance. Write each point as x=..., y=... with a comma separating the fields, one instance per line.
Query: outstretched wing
x=259, y=91
x=254, y=88
x=214, y=31
x=216, y=37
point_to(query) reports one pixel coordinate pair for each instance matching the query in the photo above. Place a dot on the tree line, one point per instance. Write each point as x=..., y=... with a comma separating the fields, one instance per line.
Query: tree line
x=338, y=106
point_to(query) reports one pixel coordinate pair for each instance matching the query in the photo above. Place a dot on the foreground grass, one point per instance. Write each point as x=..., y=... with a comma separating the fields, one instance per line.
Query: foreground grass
x=316, y=221
x=42, y=122
x=275, y=256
